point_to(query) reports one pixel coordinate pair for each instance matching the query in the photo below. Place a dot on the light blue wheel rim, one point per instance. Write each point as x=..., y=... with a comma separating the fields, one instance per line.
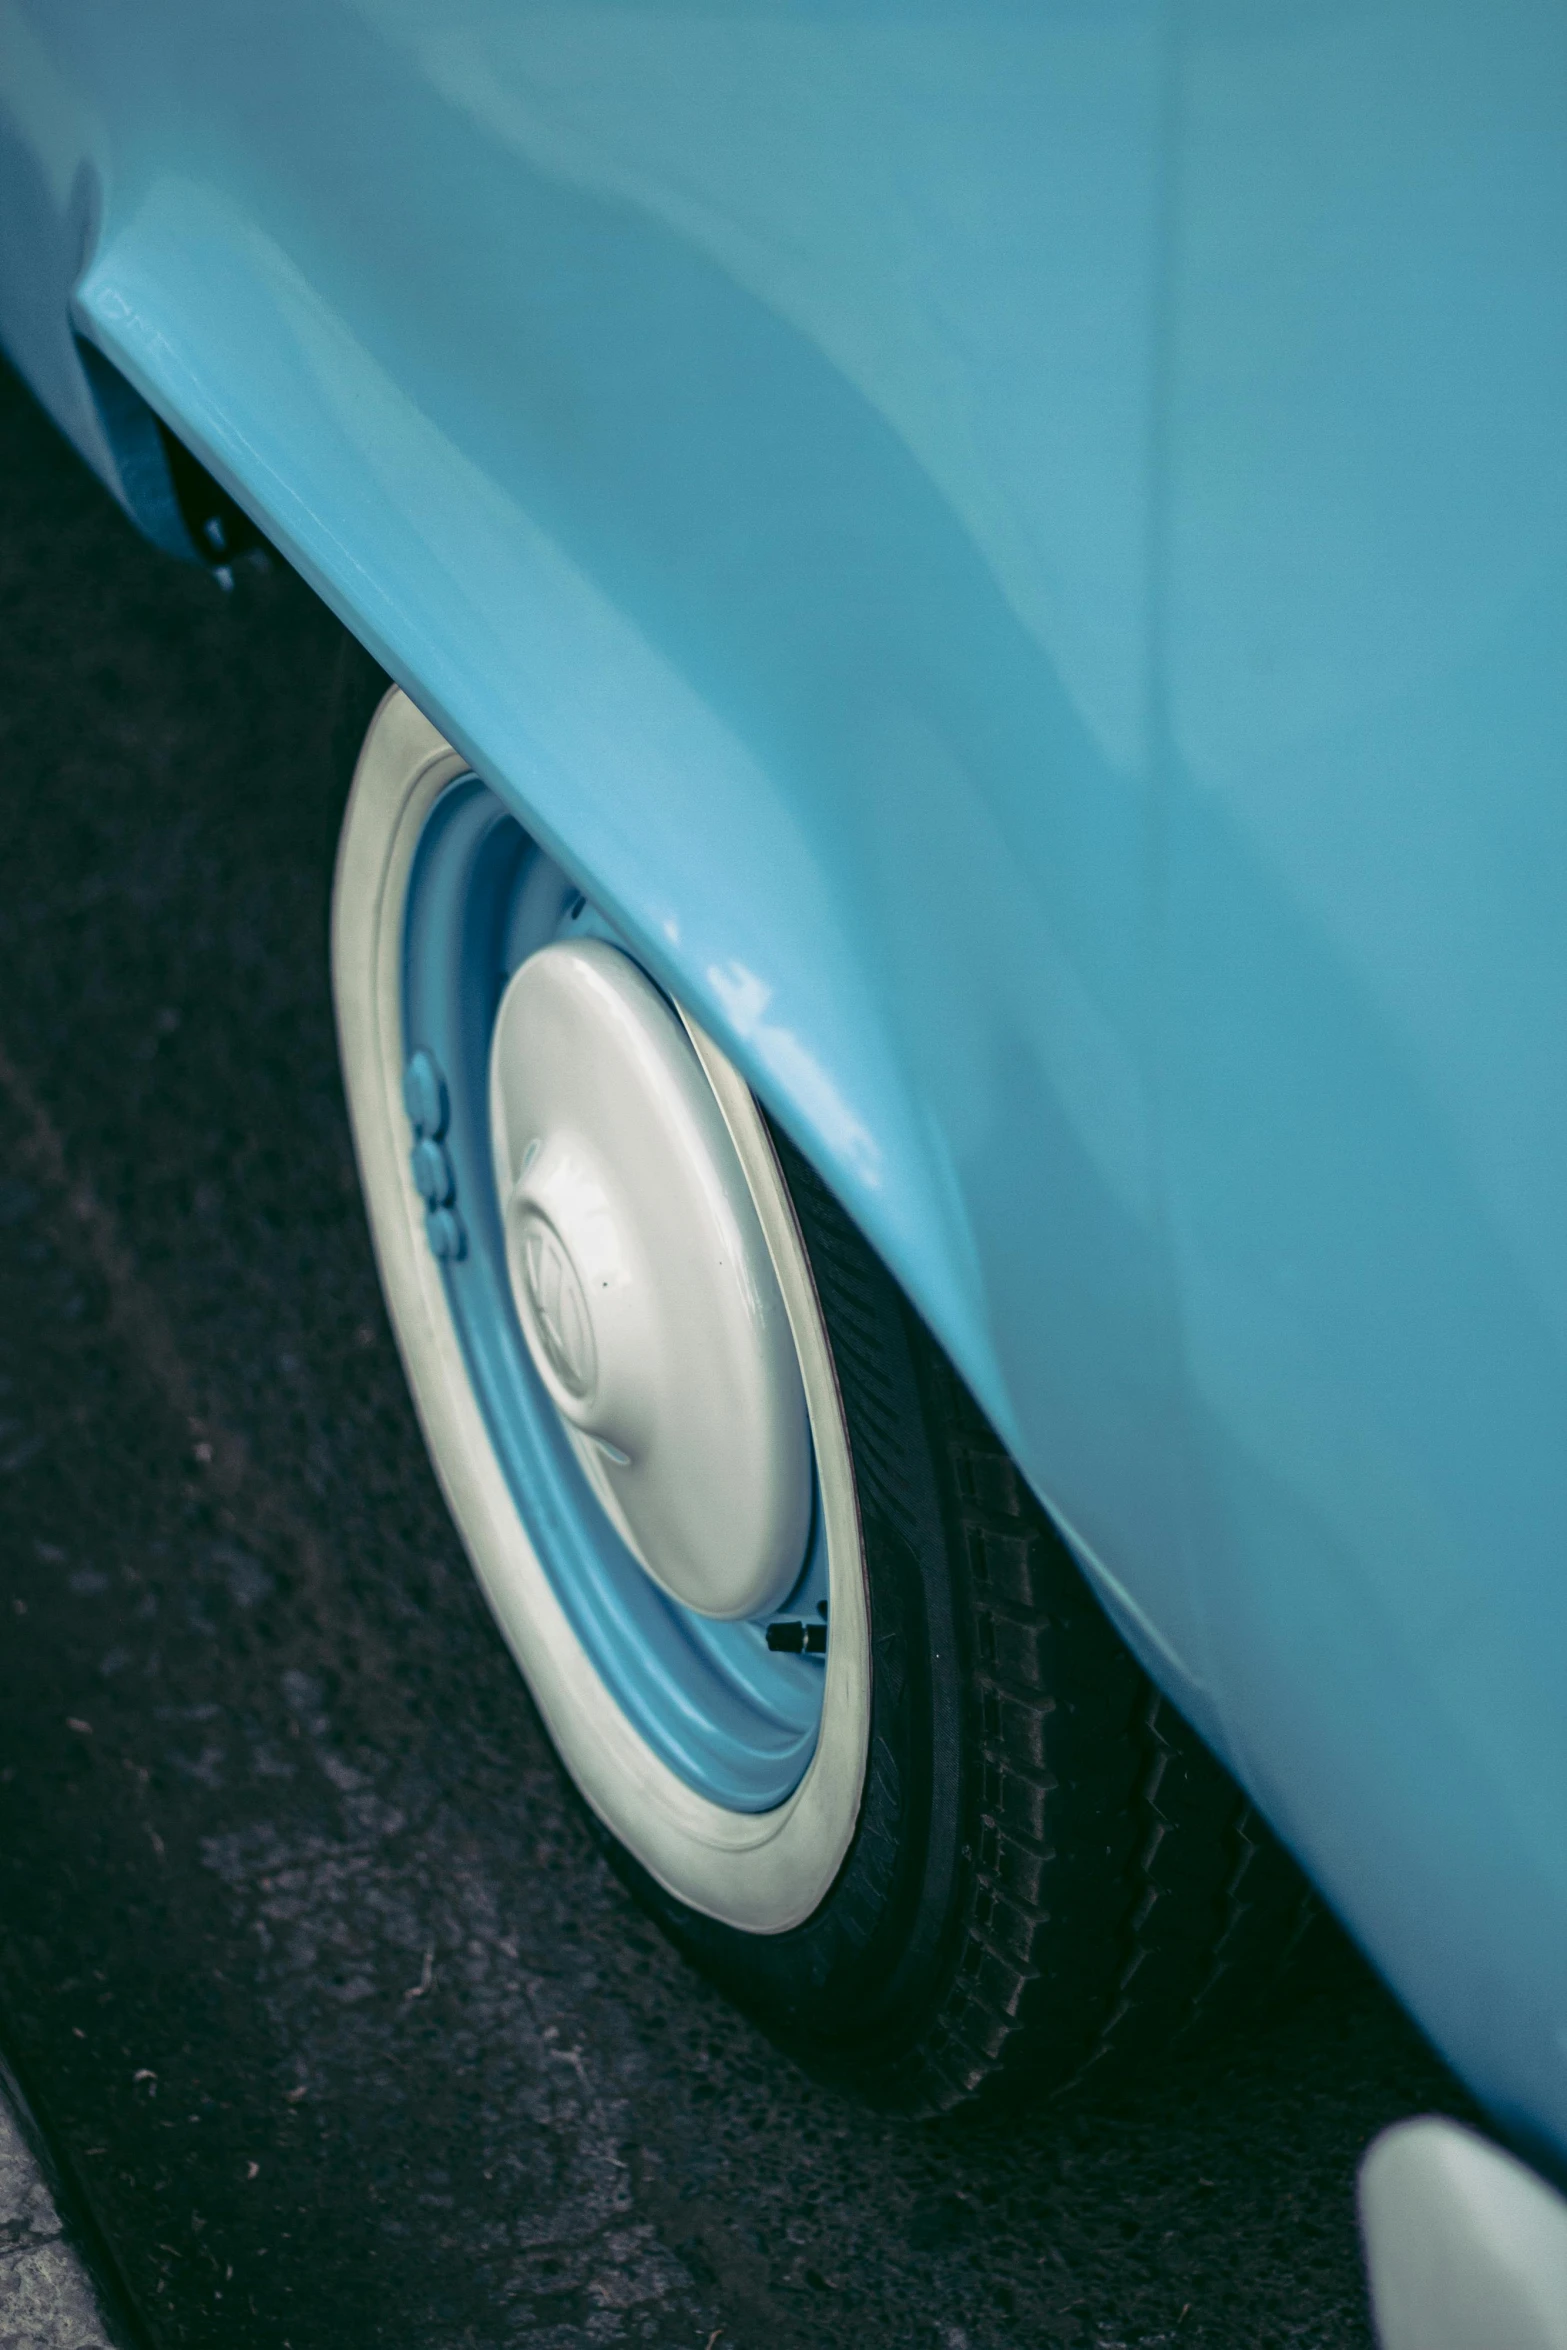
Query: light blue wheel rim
x=736, y=1720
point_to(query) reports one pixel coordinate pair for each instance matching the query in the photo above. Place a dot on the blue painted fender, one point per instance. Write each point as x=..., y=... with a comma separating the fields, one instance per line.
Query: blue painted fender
x=1019, y=554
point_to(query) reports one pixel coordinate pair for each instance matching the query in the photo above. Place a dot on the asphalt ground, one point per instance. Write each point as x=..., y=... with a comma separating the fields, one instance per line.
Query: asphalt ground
x=340, y=2029
x=47, y=2298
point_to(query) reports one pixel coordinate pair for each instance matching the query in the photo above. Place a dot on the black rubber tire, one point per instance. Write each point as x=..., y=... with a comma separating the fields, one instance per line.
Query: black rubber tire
x=1051, y=1875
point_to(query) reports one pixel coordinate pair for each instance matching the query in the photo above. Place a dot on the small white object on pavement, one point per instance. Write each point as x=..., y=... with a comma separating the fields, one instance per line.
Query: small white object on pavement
x=1466, y=2246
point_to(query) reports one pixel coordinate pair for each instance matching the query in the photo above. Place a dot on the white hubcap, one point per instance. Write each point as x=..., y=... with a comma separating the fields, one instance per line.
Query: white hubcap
x=643, y=1281
x=761, y=1872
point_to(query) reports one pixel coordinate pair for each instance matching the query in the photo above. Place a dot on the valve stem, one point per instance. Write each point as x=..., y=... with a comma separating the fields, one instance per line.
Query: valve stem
x=787, y=1636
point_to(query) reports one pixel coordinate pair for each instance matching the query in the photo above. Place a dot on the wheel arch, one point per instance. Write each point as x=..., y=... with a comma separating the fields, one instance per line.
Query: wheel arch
x=753, y=681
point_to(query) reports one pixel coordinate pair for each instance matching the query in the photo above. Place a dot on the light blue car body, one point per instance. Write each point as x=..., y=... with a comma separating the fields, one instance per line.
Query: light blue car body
x=1020, y=551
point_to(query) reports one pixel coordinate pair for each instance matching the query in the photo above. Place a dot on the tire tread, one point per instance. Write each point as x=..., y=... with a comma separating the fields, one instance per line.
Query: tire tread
x=1093, y=1799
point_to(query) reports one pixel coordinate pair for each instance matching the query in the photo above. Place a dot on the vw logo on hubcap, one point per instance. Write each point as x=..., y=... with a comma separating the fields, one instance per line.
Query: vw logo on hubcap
x=560, y=1310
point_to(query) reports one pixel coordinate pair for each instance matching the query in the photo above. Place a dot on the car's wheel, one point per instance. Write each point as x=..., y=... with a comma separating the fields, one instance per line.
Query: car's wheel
x=843, y=1707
